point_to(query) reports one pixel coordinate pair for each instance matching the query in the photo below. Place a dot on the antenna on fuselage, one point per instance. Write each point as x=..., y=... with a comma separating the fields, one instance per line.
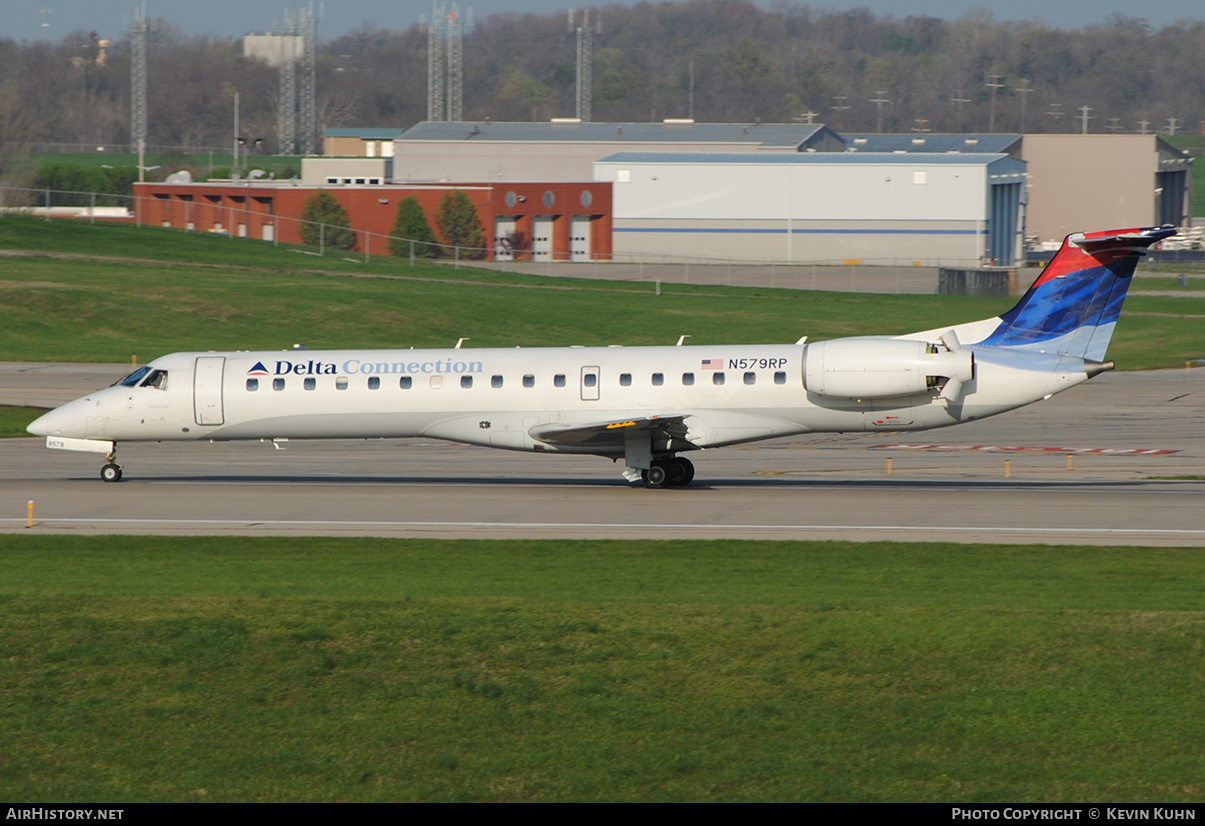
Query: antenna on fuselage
x=680, y=340
x=460, y=342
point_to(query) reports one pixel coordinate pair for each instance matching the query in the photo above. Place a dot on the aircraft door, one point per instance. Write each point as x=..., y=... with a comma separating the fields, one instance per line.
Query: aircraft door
x=207, y=390
x=590, y=384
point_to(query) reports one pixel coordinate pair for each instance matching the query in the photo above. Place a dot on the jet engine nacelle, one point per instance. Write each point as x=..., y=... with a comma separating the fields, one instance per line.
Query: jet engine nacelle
x=867, y=368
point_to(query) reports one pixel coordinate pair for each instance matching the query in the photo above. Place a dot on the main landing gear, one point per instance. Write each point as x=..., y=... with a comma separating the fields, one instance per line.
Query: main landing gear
x=111, y=472
x=674, y=472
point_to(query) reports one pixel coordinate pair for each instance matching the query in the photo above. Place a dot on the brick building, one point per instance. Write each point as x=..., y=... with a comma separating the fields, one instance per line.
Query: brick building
x=522, y=221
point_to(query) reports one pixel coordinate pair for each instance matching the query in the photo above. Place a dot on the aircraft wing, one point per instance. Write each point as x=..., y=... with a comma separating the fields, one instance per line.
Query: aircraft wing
x=613, y=432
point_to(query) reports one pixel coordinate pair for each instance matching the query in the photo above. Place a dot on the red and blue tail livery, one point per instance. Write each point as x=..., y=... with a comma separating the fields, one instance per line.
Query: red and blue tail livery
x=1074, y=304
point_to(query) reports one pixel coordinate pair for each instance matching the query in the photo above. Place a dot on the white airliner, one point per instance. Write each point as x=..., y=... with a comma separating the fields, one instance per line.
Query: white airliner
x=645, y=405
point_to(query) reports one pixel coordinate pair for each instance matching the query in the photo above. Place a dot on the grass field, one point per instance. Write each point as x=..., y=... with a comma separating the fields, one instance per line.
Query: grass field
x=325, y=669
x=194, y=292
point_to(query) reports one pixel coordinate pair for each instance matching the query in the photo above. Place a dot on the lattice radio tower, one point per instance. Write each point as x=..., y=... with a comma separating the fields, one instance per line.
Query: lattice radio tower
x=585, y=65
x=455, y=27
x=307, y=105
x=138, y=82
x=286, y=118
x=445, y=63
x=435, y=64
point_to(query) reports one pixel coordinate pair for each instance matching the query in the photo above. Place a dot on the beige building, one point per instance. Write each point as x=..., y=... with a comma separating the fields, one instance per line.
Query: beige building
x=359, y=143
x=1094, y=182
x=565, y=150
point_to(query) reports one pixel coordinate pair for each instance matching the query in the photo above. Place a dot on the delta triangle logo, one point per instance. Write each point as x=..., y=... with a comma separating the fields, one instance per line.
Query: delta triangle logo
x=258, y=369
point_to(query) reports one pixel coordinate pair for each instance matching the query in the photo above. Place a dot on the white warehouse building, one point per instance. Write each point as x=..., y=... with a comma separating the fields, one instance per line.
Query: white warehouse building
x=956, y=209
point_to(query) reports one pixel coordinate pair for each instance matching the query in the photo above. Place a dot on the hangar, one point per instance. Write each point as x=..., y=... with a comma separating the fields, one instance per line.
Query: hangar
x=955, y=209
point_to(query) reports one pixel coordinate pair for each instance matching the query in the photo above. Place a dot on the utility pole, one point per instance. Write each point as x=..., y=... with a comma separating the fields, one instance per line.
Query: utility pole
x=878, y=100
x=1142, y=126
x=1171, y=126
x=1084, y=118
x=958, y=100
x=840, y=107
x=1056, y=111
x=993, y=84
x=1024, y=93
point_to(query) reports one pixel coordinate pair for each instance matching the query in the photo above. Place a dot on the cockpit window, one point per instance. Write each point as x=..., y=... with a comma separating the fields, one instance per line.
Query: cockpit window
x=157, y=379
x=135, y=377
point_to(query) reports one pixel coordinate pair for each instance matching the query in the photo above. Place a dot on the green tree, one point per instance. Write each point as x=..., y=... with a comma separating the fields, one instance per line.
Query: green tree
x=324, y=220
x=412, y=225
x=459, y=225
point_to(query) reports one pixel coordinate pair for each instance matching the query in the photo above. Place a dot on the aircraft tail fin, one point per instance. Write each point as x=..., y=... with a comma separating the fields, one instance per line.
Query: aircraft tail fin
x=1074, y=304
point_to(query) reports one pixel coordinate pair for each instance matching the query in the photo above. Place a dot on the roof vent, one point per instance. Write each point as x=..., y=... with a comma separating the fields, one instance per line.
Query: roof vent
x=679, y=121
x=566, y=120
x=971, y=141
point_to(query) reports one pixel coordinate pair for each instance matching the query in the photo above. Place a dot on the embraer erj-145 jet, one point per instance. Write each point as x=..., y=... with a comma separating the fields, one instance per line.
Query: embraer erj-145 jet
x=645, y=405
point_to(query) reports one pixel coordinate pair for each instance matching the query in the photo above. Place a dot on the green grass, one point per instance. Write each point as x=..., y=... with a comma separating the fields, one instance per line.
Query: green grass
x=13, y=420
x=194, y=292
x=332, y=669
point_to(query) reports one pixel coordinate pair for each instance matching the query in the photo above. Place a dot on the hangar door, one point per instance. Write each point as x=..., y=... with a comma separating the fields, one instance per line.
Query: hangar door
x=1003, y=224
x=504, y=230
x=579, y=238
x=541, y=238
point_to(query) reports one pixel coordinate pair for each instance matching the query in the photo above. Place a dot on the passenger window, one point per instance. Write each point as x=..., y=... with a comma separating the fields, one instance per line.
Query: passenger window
x=590, y=379
x=625, y=379
x=310, y=383
x=341, y=383
x=406, y=382
x=530, y=381
x=252, y=384
x=717, y=378
x=780, y=377
x=496, y=381
x=750, y=378
x=658, y=379
x=278, y=384
x=374, y=382
x=559, y=380
x=688, y=379
x=466, y=382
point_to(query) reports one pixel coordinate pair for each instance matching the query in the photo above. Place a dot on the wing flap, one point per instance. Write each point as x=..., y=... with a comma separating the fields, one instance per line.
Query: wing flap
x=613, y=432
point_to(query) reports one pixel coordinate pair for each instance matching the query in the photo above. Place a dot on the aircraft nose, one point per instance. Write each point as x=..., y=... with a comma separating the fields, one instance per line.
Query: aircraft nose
x=67, y=420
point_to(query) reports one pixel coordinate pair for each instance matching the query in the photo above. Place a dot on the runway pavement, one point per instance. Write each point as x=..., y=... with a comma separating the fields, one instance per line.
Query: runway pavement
x=1122, y=431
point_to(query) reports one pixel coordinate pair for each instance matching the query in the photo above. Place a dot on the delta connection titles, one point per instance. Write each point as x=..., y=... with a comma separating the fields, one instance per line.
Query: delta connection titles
x=1106, y=813
x=317, y=368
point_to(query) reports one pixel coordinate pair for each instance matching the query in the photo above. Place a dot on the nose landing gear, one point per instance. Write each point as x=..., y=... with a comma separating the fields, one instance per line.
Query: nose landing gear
x=111, y=472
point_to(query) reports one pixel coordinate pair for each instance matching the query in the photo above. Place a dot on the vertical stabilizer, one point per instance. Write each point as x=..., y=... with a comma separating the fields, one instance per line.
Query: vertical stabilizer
x=1073, y=306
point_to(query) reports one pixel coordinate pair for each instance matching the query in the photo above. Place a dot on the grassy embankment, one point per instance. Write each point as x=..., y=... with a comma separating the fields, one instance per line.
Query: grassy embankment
x=201, y=292
x=331, y=669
